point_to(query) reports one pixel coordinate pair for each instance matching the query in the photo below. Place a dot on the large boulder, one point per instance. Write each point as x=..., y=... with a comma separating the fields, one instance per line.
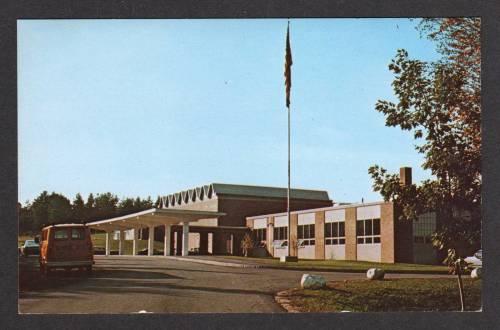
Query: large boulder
x=477, y=273
x=375, y=274
x=313, y=282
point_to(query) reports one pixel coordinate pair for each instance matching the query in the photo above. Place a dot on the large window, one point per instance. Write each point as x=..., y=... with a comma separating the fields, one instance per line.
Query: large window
x=335, y=233
x=424, y=227
x=259, y=235
x=305, y=234
x=280, y=233
x=368, y=231
x=280, y=237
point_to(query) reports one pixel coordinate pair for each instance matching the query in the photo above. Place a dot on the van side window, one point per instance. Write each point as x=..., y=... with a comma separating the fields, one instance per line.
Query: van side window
x=61, y=234
x=77, y=233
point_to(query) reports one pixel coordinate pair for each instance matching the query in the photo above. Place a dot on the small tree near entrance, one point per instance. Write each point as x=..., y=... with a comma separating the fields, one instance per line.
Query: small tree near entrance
x=246, y=244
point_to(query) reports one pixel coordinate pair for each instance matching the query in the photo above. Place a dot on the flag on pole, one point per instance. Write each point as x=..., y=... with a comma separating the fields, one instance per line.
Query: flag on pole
x=288, y=66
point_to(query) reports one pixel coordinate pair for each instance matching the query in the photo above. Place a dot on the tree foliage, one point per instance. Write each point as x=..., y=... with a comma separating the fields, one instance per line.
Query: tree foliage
x=440, y=103
x=247, y=244
x=55, y=208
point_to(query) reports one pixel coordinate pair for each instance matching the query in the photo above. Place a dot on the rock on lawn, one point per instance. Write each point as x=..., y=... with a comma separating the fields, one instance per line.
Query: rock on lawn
x=375, y=274
x=312, y=282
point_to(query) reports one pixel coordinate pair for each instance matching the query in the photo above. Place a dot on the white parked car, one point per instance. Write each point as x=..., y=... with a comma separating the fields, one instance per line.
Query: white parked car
x=476, y=260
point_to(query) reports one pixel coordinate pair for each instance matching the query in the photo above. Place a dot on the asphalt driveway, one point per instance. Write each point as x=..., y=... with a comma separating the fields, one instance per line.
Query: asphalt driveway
x=126, y=284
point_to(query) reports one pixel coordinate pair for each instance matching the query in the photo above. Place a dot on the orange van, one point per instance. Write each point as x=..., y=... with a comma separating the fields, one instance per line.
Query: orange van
x=66, y=246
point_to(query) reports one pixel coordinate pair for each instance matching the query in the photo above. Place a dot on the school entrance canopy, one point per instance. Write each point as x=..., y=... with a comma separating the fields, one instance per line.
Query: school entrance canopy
x=150, y=219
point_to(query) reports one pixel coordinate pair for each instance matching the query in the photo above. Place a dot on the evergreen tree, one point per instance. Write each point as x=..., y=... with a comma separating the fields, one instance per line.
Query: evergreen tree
x=90, y=207
x=79, y=210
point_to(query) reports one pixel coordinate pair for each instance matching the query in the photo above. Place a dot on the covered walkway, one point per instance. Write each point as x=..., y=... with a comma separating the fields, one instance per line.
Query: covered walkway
x=150, y=219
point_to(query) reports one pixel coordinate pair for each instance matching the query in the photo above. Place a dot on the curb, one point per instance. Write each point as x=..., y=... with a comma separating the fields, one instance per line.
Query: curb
x=215, y=263
x=244, y=265
x=282, y=298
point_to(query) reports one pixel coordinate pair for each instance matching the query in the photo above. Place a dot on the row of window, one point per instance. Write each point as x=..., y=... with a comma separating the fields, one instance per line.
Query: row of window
x=259, y=235
x=335, y=233
x=367, y=232
x=280, y=233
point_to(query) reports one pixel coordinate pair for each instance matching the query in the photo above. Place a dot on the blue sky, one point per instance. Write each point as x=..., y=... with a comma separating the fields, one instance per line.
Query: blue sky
x=149, y=107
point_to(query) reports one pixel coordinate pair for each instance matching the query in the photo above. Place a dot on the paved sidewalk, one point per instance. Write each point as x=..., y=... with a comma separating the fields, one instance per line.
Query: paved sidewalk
x=251, y=263
x=218, y=261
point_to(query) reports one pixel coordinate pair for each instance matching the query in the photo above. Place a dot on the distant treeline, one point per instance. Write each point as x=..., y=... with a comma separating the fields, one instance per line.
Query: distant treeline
x=55, y=208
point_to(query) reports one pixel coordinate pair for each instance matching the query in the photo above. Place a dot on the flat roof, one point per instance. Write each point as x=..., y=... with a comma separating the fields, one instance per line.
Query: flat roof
x=153, y=217
x=65, y=225
x=270, y=192
x=336, y=207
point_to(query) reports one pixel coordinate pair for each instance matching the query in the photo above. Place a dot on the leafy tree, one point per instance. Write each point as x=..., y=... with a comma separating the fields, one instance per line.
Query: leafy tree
x=40, y=210
x=246, y=244
x=157, y=202
x=126, y=206
x=79, y=210
x=141, y=205
x=53, y=208
x=441, y=101
x=105, y=205
x=26, y=219
x=90, y=207
x=59, y=209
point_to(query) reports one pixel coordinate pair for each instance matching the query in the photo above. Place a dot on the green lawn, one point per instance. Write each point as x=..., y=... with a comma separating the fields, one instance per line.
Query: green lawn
x=392, y=295
x=345, y=265
x=99, y=241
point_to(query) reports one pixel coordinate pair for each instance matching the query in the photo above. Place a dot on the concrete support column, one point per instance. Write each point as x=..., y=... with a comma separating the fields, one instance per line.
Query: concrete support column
x=134, y=242
x=121, y=242
x=151, y=239
x=109, y=236
x=270, y=236
x=185, y=238
x=166, y=240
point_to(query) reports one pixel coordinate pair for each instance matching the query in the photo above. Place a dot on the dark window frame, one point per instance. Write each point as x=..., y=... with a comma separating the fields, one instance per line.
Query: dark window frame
x=368, y=233
x=335, y=233
x=310, y=229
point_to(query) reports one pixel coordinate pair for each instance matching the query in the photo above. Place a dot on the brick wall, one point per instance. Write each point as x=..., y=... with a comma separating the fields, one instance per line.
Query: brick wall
x=387, y=232
x=350, y=234
x=293, y=235
x=319, y=234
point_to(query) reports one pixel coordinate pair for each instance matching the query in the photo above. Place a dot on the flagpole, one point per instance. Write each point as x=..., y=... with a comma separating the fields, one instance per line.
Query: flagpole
x=288, y=191
x=288, y=85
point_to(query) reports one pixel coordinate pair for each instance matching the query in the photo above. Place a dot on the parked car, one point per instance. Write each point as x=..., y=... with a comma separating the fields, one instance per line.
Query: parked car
x=476, y=260
x=30, y=247
x=66, y=246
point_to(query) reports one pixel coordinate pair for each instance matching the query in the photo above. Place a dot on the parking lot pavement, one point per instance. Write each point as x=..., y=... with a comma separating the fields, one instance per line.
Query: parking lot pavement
x=127, y=284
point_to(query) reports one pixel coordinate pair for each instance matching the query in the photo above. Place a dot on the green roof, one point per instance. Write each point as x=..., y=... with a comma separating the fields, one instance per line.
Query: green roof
x=269, y=192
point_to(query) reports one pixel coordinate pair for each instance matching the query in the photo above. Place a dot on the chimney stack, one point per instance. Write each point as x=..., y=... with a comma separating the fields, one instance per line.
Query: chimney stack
x=405, y=176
